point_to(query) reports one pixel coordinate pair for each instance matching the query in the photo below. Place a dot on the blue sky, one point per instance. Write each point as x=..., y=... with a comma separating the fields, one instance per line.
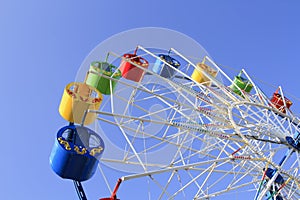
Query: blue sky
x=43, y=43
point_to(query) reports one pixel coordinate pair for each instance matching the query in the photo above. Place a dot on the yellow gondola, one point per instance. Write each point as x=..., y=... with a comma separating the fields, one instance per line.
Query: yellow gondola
x=199, y=76
x=76, y=99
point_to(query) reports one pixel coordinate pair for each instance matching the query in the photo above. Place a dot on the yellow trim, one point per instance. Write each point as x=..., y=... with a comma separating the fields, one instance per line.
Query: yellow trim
x=65, y=143
x=77, y=150
x=96, y=150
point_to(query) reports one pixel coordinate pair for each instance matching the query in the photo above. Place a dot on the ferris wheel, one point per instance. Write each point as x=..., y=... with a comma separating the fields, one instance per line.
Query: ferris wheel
x=183, y=124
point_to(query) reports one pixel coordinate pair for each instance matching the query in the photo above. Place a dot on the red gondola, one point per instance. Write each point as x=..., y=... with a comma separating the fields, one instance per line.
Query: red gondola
x=131, y=71
x=278, y=102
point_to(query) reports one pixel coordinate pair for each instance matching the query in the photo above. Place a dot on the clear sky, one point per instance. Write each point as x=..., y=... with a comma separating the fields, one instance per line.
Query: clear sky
x=43, y=43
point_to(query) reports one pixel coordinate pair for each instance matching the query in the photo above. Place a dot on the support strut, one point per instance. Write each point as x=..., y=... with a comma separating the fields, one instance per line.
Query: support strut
x=114, y=193
x=79, y=190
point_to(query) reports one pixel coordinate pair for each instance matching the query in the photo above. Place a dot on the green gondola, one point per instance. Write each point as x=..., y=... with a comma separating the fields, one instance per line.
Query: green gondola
x=241, y=83
x=98, y=77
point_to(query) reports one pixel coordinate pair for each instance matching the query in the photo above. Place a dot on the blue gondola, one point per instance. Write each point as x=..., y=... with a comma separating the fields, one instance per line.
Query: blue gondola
x=76, y=152
x=163, y=69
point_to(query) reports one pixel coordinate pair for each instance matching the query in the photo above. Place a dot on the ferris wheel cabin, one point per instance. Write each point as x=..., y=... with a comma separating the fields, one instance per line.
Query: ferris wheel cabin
x=200, y=77
x=241, y=84
x=280, y=103
x=99, y=74
x=76, y=152
x=160, y=67
x=129, y=67
x=76, y=99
